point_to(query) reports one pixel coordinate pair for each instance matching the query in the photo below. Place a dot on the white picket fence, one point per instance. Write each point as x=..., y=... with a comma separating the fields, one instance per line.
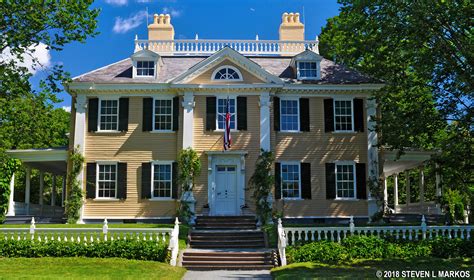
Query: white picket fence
x=168, y=236
x=291, y=235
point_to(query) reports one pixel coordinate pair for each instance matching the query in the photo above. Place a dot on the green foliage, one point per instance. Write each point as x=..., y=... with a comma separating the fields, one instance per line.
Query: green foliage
x=74, y=201
x=363, y=247
x=452, y=248
x=189, y=166
x=262, y=183
x=7, y=168
x=128, y=249
x=454, y=201
x=324, y=251
x=272, y=235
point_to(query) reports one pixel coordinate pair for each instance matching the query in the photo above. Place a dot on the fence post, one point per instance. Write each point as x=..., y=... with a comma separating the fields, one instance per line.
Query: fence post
x=351, y=225
x=281, y=242
x=174, y=243
x=105, y=229
x=32, y=228
x=423, y=226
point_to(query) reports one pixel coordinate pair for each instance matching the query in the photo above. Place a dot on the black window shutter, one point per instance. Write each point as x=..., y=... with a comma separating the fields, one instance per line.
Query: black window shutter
x=277, y=180
x=304, y=114
x=93, y=114
x=242, y=113
x=358, y=115
x=147, y=114
x=175, y=113
x=123, y=114
x=330, y=180
x=174, y=173
x=306, y=180
x=328, y=115
x=211, y=113
x=276, y=113
x=146, y=180
x=91, y=174
x=122, y=180
x=361, y=184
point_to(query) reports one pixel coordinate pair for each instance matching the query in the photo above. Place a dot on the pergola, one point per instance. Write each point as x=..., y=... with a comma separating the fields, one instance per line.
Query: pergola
x=393, y=166
x=52, y=161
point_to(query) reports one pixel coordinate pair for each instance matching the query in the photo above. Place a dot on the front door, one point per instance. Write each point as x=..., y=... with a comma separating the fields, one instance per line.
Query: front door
x=226, y=190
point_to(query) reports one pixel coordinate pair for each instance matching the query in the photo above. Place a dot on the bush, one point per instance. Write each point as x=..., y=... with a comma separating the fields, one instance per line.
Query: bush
x=325, y=251
x=451, y=248
x=127, y=249
x=364, y=247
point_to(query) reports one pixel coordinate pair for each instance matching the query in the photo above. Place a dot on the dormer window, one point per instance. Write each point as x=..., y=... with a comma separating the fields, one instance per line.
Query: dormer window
x=227, y=73
x=307, y=70
x=145, y=68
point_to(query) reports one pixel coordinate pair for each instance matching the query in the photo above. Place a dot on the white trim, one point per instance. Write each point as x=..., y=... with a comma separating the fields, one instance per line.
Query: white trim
x=318, y=69
x=188, y=120
x=353, y=164
x=99, y=114
x=298, y=108
x=161, y=199
x=352, y=115
x=135, y=65
x=125, y=218
x=265, y=130
x=97, y=164
x=161, y=162
x=213, y=77
x=105, y=199
x=154, y=115
x=290, y=162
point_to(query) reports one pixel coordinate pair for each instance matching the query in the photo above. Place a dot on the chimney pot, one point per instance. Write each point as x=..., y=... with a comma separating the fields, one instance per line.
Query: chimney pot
x=155, y=18
x=297, y=17
x=161, y=28
x=291, y=29
x=284, y=18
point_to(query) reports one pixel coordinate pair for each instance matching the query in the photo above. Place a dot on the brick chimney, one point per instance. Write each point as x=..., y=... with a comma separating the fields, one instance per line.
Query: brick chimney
x=291, y=29
x=161, y=28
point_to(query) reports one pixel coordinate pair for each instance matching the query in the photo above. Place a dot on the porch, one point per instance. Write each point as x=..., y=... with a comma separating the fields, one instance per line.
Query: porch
x=39, y=190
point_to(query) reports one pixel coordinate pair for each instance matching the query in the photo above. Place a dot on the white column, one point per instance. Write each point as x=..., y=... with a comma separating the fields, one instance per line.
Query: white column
x=79, y=137
x=63, y=196
x=53, y=191
x=438, y=181
x=188, y=119
x=385, y=193
x=407, y=186
x=41, y=187
x=372, y=154
x=11, y=203
x=422, y=186
x=265, y=121
x=395, y=192
x=27, y=189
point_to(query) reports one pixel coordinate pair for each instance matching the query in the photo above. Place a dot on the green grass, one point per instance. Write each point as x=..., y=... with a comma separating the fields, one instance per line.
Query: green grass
x=366, y=269
x=90, y=268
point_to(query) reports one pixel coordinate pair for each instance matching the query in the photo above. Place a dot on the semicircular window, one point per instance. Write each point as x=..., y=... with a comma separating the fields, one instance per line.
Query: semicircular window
x=227, y=73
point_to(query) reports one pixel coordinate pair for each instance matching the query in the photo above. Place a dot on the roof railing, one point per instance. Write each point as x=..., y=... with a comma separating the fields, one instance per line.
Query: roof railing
x=246, y=47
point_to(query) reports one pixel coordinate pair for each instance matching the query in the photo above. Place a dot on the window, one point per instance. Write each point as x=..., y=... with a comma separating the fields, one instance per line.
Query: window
x=289, y=115
x=146, y=68
x=106, y=181
x=345, y=180
x=227, y=73
x=162, y=180
x=222, y=110
x=343, y=115
x=108, y=115
x=290, y=180
x=307, y=70
x=163, y=114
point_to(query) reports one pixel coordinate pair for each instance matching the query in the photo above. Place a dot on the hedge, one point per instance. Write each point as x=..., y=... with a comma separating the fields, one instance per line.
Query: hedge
x=372, y=247
x=127, y=249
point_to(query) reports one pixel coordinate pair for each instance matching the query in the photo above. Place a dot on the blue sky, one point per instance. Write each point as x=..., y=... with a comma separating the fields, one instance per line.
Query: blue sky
x=120, y=20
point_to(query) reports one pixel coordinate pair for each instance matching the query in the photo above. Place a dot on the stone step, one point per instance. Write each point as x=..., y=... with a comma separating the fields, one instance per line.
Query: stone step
x=205, y=253
x=228, y=267
x=226, y=237
x=223, y=227
x=227, y=246
x=227, y=258
x=228, y=241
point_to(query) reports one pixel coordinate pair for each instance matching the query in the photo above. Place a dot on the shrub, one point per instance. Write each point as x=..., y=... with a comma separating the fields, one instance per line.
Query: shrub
x=128, y=249
x=451, y=248
x=364, y=247
x=325, y=251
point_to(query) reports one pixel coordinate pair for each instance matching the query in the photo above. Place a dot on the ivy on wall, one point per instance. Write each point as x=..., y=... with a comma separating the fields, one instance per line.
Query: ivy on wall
x=7, y=168
x=73, y=202
x=262, y=182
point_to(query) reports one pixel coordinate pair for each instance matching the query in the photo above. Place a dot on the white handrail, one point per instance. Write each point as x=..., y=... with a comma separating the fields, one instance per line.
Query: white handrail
x=174, y=243
x=281, y=243
x=247, y=47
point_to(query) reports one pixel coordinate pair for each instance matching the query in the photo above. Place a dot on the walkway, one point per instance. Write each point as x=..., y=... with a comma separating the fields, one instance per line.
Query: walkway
x=227, y=274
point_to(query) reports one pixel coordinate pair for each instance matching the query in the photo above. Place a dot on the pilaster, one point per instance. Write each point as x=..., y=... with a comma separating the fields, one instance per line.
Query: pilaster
x=265, y=121
x=188, y=120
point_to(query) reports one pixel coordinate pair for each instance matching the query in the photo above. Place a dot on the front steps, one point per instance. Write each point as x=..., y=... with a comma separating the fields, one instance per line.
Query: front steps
x=227, y=243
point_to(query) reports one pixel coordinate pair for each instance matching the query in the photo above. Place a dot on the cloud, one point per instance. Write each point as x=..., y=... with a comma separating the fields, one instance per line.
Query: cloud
x=172, y=11
x=123, y=25
x=252, y=9
x=117, y=2
x=36, y=58
x=144, y=1
x=67, y=108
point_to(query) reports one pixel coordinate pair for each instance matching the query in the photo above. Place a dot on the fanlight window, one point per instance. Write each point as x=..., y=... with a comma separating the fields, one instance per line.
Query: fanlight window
x=227, y=73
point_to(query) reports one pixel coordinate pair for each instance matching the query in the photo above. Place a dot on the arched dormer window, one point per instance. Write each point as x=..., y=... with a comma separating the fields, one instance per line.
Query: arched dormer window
x=227, y=73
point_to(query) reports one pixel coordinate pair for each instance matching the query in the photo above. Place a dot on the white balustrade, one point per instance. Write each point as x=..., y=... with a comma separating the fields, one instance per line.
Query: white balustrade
x=247, y=47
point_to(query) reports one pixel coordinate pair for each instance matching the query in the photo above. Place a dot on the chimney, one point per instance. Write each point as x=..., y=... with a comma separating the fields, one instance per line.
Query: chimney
x=161, y=28
x=291, y=29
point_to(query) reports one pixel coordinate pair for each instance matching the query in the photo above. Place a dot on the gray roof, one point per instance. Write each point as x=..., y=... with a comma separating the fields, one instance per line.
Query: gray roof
x=121, y=72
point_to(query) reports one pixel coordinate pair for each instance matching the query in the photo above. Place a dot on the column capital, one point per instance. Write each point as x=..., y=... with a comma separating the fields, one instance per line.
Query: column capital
x=81, y=102
x=265, y=100
x=188, y=101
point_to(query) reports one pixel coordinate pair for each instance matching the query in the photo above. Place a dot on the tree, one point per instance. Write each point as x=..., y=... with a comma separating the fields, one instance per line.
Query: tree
x=261, y=183
x=422, y=51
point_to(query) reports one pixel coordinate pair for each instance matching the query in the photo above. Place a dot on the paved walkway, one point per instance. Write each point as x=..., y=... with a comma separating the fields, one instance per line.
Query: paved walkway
x=227, y=274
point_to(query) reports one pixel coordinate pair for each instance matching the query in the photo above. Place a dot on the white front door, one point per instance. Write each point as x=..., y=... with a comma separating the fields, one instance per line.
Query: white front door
x=226, y=190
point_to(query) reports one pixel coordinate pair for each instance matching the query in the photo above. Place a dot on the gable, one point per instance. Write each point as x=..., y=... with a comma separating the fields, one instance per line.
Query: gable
x=206, y=77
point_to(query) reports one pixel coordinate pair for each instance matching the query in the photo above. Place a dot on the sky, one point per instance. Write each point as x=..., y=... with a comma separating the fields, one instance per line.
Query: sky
x=120, y=20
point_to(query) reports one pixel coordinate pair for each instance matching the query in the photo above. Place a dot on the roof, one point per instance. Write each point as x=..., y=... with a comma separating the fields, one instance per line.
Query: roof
x=173, y=66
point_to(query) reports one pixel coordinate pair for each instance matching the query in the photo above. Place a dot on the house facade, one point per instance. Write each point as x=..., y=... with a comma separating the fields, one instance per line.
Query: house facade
x=131, y=119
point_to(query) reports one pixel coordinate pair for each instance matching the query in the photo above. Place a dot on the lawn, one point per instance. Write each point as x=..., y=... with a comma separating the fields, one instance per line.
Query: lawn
x=80, y=268
x=367, y=269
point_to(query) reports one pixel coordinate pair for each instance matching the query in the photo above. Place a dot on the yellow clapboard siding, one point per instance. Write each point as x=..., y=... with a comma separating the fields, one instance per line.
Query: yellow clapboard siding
x=206, y=77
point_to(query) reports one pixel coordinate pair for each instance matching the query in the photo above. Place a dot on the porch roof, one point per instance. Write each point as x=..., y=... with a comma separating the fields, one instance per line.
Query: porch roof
x=409, y=160
x=51, y=160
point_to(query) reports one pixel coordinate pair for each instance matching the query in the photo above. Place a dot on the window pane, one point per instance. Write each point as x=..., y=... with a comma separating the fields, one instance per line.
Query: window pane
x=107, y=181
x=345, y=182
x=108, y=119
x=227, y=74
x=307, y=69
x=343, y=115
x=162, y=180
x=163, y=114
x=289, y=117
x=221, y=112
x=290, y=180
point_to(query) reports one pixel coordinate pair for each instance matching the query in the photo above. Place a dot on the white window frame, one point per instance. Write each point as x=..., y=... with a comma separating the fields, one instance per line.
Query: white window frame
x=99, y=115
x=145, y=76
x=299, y=179
x=281, y=115
x=299, y=77
x=217, y=112
x=154, y=114
x=98, y=163
x=352, y=114
x=353, y=164
x=213, y=77
x=161, y=162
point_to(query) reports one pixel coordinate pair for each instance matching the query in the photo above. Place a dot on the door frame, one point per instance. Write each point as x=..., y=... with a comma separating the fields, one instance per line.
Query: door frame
x=236, y=158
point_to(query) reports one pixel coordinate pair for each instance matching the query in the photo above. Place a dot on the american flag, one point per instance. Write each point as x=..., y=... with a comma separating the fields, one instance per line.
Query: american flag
x=227, y=137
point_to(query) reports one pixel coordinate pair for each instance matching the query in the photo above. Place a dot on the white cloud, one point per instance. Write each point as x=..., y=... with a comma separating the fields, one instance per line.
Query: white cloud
x=144, y=1
x=117, y=2
x=67, y=108
x=36, y=58
x=123, y=25
x=172, y=11
x=252, y=9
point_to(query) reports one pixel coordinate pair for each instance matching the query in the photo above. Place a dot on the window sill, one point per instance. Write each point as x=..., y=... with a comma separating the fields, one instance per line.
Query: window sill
x=161, y=199
x=292, y=199
x=346, y=199
x=345, y=132
x=290, y=131
x=108, y=132
x=106, y=199
x=222, y=130
x=163, y=131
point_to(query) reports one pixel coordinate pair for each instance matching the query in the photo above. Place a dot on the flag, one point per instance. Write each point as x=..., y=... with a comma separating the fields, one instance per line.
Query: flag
x=227, y=137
